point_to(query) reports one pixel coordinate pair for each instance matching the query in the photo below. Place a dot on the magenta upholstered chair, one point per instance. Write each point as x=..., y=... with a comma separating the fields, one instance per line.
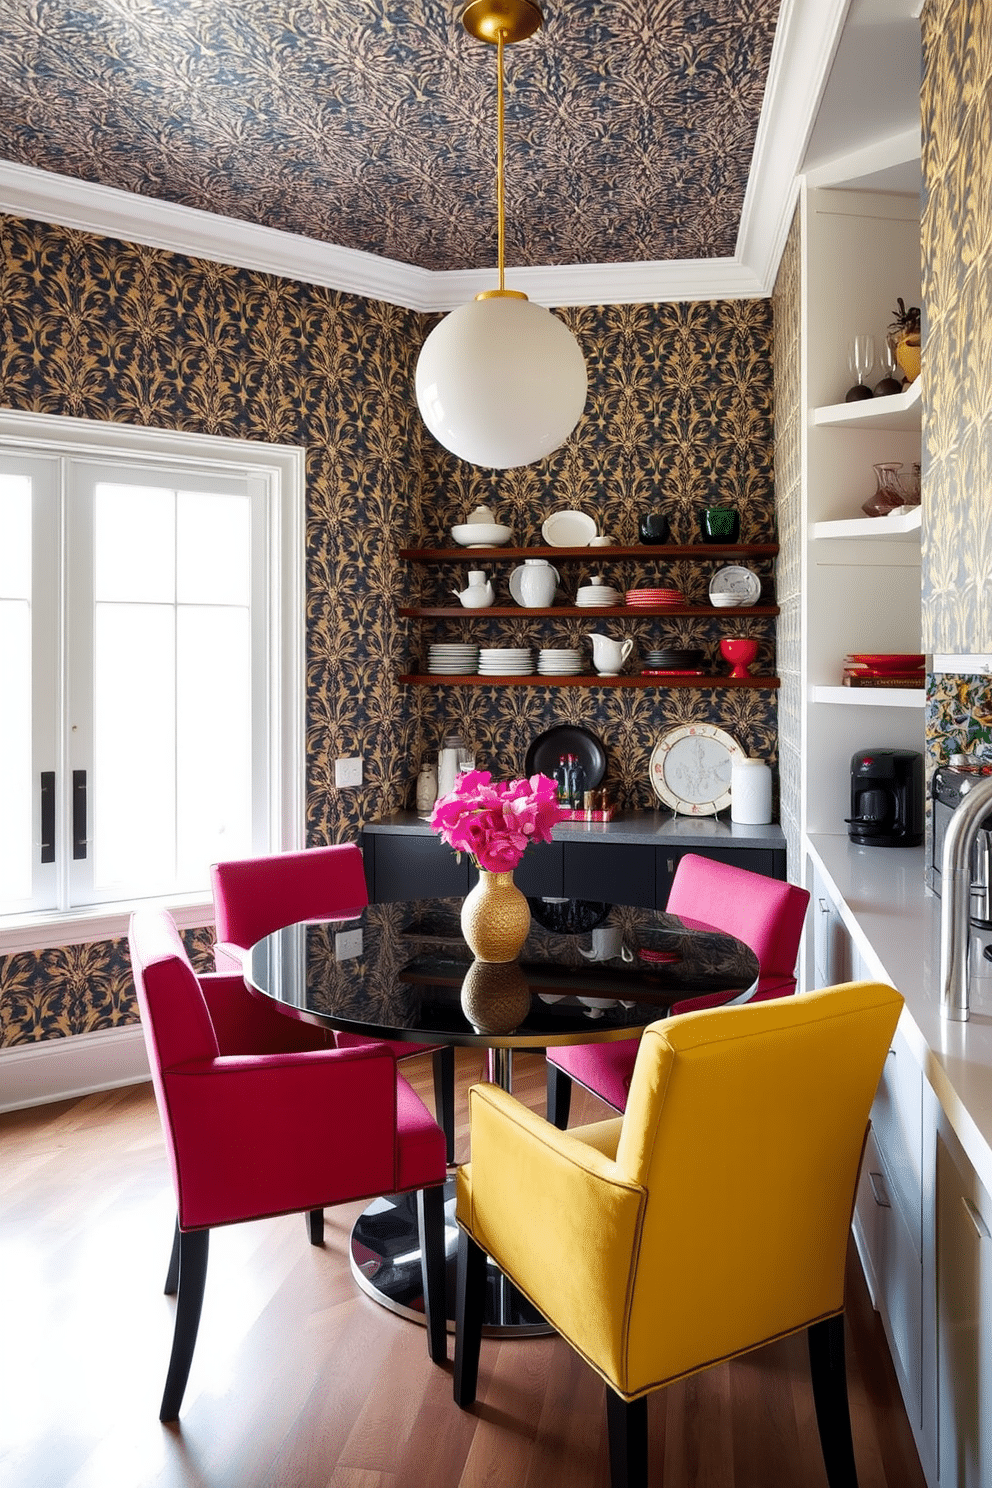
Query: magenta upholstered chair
x=765, y=913
x=255, y=896
x=251, y=1134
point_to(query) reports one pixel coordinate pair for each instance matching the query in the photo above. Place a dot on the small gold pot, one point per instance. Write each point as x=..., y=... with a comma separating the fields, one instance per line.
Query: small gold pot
x=908, y=356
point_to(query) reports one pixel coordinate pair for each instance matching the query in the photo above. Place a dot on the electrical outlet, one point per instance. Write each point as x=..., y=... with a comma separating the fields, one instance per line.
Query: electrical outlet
x=348, y=772
x=348, y=944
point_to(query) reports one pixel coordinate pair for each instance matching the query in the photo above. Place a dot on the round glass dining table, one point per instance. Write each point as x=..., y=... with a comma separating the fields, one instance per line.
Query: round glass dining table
x=587, y=973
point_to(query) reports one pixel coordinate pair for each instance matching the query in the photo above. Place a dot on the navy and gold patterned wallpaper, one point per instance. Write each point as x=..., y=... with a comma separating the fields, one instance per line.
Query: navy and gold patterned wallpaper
x=629, y=128
x=957, y=367
x=679, y=413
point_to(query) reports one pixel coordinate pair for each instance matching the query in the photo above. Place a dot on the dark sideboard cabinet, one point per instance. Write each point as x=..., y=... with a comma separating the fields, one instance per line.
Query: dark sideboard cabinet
x=407, y=862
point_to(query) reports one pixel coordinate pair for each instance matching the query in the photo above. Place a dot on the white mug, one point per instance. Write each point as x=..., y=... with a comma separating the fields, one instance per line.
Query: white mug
x=608, y=944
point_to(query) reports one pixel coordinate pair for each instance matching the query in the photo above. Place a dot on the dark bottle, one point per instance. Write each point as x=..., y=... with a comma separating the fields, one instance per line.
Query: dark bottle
x=576, y=782
x=561, y=780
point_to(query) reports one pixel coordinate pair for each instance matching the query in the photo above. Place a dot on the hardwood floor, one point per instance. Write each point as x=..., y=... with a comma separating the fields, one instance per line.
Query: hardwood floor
x=302, y=1381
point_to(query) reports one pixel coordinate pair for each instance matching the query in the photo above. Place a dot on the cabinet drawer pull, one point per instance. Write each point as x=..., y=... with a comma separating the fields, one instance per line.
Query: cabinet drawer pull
x=981, y=1227
x=879, y=1191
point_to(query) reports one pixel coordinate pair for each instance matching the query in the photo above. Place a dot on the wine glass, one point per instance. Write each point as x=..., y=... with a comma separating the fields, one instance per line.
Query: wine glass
x=891, y=372
x=861, y=360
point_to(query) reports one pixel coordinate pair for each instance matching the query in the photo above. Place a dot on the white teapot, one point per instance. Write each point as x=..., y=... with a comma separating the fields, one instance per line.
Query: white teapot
x=608, y=655
x=479, y=594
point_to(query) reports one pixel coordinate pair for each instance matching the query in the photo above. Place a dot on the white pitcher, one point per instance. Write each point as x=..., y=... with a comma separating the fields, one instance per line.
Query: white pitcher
x=608, y=655
x=479, y=594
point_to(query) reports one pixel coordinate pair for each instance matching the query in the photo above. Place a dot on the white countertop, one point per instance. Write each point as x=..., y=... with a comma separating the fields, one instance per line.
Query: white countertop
x=894, y=920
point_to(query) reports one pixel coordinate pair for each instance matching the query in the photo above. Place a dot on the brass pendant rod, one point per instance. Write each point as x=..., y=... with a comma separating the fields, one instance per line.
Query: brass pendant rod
x=500, y=162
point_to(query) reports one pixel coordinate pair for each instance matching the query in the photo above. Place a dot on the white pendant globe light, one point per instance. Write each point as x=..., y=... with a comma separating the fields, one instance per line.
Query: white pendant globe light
x=501, y=381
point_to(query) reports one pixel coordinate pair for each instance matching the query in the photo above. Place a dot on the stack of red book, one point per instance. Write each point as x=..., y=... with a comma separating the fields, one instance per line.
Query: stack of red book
x=884, y=669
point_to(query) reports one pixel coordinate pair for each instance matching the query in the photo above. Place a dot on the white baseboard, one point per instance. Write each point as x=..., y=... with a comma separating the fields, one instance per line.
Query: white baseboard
x=63, y=1068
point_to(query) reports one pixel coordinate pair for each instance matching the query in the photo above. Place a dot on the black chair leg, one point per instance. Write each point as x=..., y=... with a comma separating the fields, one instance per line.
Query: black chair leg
x=193, y=1247
x=315, y=1226
x=444, y=1097
x=470, y=1299
x=430, y=1223
x=627, y=1424
x=833, y=1416
x=559, y=1097
x=172, y=1275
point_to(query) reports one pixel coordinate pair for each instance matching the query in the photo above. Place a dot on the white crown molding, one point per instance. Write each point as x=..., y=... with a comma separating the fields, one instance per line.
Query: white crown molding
x=47, y=197
x=805, y=41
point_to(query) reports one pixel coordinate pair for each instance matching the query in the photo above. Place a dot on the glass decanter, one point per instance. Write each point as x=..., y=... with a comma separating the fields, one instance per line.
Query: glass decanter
x=888, y=493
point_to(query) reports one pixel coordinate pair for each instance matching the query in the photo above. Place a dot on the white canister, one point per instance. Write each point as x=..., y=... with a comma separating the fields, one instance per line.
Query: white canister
x=750, y=792
x=447, y=764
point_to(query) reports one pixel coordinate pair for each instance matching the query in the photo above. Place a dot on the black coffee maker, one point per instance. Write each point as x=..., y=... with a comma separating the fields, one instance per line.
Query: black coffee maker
x=887, y=801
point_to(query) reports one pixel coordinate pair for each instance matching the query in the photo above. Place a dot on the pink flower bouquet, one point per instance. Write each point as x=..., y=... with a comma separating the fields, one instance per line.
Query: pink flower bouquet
x=495, y=824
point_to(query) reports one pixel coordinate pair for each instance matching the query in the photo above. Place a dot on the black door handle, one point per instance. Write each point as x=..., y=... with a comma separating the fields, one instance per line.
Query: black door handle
x=48, y=816
x=79, y=813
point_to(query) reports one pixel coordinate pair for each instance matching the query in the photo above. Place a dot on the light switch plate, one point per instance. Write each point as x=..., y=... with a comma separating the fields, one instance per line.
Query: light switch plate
x=348, y=944
x=348, y=772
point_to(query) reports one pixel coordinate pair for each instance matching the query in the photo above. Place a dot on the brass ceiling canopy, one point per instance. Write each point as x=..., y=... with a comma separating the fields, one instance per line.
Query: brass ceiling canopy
x=506, y=20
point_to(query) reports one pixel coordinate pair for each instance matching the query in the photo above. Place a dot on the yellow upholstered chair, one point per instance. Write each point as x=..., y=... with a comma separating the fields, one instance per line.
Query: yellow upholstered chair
x=709, y=1219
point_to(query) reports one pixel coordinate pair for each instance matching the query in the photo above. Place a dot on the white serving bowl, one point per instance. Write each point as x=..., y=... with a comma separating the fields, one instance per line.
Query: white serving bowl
x=481, y=534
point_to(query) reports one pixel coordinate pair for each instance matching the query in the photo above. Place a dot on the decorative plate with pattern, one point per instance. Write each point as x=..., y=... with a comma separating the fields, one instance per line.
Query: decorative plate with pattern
x=690, y=769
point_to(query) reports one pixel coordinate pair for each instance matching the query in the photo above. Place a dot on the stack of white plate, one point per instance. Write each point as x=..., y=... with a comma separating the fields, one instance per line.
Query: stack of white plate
x=453, y=659
x=559, y=662
x=506, y=661
x=592, y=596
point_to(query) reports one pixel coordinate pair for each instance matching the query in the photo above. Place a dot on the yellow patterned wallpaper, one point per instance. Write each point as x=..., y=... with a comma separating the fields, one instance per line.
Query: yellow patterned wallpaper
x=957, y=367
x=679, y=413
x=957, y=293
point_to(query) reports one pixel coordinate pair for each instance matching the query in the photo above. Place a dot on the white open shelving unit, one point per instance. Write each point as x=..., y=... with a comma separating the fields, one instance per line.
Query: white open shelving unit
x=861, y=588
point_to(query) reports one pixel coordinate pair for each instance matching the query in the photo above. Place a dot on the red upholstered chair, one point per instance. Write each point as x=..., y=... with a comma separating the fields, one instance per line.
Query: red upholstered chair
x=256, y=1134
x=255, y=896
x=765, y=913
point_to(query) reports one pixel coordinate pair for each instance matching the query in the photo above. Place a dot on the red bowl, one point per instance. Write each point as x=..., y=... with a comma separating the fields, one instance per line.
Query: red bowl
x=741, y=650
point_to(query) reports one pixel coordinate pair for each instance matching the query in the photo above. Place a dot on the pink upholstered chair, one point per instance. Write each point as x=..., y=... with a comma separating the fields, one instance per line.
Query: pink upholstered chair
x=765, y=913
x=251, y=1134
x=255, y=896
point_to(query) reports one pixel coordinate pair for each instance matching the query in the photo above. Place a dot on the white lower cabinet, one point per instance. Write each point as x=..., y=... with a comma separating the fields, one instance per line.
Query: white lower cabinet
x=894, y=1272
x=894, y=1208
x=964, y=1319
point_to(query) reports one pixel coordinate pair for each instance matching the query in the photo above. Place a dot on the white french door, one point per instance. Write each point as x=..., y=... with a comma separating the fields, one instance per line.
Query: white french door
x=135, y=679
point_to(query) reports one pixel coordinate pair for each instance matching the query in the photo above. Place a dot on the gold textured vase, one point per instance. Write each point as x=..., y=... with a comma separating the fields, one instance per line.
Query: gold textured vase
x=495, y=918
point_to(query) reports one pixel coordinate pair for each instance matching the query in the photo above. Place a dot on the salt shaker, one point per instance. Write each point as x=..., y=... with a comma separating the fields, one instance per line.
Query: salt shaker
x=426, y=788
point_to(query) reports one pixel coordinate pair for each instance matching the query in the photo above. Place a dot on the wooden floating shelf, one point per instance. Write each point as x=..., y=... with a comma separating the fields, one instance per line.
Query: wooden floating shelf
x=667, y=553
x=585, y=612
x=535, y=679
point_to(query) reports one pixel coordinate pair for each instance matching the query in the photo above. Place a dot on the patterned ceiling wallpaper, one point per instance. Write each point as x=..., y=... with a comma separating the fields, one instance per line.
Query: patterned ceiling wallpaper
x=371, y=123
x=680, y=411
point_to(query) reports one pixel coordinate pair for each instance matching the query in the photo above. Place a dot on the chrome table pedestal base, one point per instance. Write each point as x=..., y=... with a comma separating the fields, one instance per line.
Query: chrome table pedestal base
x=385, y=1261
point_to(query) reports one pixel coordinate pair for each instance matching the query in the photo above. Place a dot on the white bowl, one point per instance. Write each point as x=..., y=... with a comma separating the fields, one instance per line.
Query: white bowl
x=481, y=534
